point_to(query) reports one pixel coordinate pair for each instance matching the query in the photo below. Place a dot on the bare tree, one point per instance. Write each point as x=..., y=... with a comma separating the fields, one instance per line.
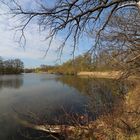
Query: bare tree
x=74, y=18
x=123, y=39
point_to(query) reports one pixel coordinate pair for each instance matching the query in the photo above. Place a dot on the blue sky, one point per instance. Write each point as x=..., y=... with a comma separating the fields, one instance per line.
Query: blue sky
x=35, y=48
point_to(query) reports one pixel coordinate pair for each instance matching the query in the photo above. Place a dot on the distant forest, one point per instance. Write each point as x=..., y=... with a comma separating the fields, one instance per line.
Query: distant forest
x=11, y=66
x=85, y=62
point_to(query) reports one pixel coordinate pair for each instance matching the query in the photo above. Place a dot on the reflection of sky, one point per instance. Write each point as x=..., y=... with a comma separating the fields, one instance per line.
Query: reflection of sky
x=39, y=92
x=48, y=98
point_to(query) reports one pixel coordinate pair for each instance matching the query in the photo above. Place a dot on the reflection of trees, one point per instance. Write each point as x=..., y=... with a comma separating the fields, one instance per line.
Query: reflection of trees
x=122, y=111
x=102, y=94
x=88, y=85
x=117, y=113
x=11, y=81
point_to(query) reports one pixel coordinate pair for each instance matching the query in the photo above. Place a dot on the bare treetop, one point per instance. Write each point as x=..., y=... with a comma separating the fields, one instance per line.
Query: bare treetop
x=73, y=18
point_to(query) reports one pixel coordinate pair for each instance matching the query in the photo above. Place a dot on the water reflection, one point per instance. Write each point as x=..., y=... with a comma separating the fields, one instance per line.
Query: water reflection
x=52, y=97
x=43, y=98
x=11, y=81
x=102, y=94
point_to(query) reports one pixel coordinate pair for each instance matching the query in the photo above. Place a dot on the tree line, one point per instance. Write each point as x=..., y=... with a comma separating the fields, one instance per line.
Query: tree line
x=114, y=25
x=11, y=66
x=85, y=62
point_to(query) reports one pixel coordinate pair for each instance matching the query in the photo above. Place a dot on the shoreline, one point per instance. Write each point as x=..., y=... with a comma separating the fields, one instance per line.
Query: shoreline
x=106, y=74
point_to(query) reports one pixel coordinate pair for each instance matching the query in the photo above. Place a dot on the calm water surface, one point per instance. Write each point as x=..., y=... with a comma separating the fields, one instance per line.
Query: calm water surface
x=46, y=97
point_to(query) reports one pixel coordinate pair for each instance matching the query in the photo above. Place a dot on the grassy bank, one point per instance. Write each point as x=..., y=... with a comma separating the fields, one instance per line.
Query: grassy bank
x=106, y=74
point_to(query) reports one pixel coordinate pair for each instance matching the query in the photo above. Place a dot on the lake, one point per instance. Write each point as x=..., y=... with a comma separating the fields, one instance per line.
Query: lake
x=47, y=98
